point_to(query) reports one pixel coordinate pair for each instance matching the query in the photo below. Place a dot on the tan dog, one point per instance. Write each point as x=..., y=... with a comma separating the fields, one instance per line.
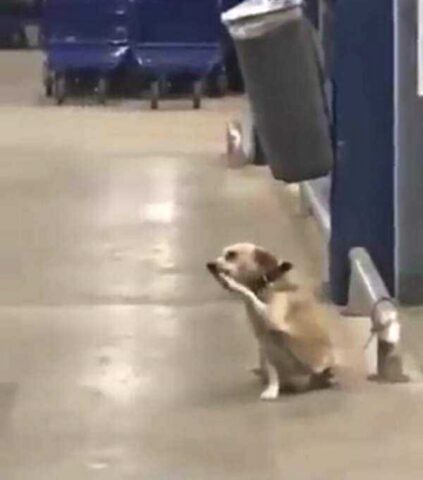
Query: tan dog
x=295, y=348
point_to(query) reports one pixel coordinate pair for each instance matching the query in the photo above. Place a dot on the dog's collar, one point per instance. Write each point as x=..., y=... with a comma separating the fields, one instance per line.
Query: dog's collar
x=261, y=284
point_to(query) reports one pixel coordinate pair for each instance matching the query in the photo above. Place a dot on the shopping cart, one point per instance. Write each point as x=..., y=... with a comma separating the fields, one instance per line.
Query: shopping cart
x=177, y=43
x=86, y=41
x=12, y=23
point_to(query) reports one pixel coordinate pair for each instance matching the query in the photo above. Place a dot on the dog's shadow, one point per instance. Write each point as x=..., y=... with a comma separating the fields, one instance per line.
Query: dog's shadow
x=318, y=402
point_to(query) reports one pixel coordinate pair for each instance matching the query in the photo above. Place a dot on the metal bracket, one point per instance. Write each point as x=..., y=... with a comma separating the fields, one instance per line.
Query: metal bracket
x=368, y=296
x=314, y=202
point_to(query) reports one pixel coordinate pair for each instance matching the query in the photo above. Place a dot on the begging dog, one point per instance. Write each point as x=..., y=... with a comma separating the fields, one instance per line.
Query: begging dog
x=295, y=350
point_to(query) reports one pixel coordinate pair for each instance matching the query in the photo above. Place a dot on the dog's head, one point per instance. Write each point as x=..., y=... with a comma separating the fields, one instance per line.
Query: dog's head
x=250, y=265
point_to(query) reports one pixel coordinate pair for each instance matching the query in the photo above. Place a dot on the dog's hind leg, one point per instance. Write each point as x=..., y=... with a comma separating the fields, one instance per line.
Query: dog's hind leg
x=261, y=370
x=272, y=390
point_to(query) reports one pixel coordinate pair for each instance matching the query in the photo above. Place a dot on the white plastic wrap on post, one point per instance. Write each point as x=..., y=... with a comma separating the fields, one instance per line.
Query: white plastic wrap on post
x=385, y=322
x=241, y=144
x=248, y=137
x=234, y=140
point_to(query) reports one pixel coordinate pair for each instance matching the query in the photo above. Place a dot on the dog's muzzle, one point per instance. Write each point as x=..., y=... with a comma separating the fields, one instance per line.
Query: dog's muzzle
x=212, y=268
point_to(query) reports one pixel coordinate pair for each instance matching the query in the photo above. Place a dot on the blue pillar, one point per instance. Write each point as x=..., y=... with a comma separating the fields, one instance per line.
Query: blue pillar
x=377, y=192
x=408, y=154
x=362, y=199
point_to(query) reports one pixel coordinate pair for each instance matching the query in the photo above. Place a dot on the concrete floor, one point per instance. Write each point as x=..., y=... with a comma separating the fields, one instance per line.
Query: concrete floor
x=120, y=357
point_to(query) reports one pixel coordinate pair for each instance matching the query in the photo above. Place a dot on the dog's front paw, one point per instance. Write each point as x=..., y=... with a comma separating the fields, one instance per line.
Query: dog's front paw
x=271, y=393
x=230, y=284
x=227, y=282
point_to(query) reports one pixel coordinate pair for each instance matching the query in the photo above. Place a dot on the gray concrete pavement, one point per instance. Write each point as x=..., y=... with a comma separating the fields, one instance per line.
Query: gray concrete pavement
x=120, y=357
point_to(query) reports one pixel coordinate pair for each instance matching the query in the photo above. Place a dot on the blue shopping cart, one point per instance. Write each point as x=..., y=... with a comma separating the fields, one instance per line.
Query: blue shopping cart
x=86, y=41
x=12, y=23
x=12, y=32
x=176, y=42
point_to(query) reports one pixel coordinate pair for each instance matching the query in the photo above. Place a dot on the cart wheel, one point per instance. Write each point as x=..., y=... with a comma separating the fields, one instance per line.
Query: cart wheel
x=19, y=39
x=197, y=94
x=165, y=87
x=222, y=85
x=155, y=94
x=59, y=88
x=23, y=39
x=47, y=81
x=101, y=90
x=48, y=86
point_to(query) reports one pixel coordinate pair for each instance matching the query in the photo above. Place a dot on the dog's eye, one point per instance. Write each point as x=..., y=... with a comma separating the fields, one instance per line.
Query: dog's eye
x=230, y=256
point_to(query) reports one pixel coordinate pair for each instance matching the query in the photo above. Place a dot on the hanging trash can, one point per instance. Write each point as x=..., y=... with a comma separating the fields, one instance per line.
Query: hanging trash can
x=278, y=54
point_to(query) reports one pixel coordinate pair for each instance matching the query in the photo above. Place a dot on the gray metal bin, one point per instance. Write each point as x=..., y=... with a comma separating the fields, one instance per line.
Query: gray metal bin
x=279, y=58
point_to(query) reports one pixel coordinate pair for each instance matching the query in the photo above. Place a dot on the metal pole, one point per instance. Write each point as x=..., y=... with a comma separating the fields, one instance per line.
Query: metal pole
x=368, y=294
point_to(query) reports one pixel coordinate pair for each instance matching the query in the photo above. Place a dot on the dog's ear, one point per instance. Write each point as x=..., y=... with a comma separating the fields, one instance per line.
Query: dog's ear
x=265, y=260
x=285, y=267
x=279, y=271
x=272, y=269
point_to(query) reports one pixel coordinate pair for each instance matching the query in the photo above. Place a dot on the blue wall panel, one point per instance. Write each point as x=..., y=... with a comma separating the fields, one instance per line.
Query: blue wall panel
x=362, y=200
